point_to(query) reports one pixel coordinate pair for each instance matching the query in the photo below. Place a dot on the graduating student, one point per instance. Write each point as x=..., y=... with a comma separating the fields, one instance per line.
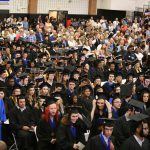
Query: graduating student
x=2, y=111
x=137, y=141
x=71, y=130
x=104, y=140
x=122, y=125
x=48, y=125
x=22, y=124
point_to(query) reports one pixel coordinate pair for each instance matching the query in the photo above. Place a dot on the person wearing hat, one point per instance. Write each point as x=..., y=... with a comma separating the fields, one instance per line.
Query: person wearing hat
x=122, y=125
x=50, y=77
x=44, y=89
x=22, y=124
x=101, y=108
x=104, y=140
x=2, y=77
x=48, y=126
x=136, y=141
x=11, y=102
x=30, y=95
x=72, y=128
x=109, y=86
x=70, y=90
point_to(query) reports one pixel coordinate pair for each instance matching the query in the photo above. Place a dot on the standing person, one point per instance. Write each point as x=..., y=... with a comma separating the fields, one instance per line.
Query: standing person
x=137, y=141
x=2, y=111
x=47, y=127
x=104, y=140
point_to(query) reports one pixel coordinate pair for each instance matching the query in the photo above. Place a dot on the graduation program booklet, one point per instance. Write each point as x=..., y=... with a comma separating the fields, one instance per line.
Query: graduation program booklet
x=80, y=145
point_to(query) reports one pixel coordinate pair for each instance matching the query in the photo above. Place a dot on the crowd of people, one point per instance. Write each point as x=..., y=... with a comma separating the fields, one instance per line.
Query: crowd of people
x=83, y=84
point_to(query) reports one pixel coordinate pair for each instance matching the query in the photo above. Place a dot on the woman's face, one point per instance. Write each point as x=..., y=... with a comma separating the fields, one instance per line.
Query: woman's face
x=45, y=90
x=101, y=104
x=87, y=92
x=31, y=91
x=75, y=99
x=74, y=117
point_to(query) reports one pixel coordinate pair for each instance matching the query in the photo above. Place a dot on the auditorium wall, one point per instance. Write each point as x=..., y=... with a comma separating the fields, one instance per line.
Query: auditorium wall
x=127, y=5
x=73, y=6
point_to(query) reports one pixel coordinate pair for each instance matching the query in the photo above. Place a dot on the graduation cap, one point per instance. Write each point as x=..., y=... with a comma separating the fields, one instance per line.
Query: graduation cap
x=44, y=84
x=28, y=70
x=66, y=72
x=87, y=87
x=21, y=97
x=42, y=68
x=2, y=70
x=108, y=122
x=138, y=117
x=49, y=100
x=48, y=63
x=126, y=90
x=69, y=68
x=23, y=75
x=56, y=94
x=135, y=104
x=119, y=74
x=59, y=69
x=73, y=109
x=50, y=71
x=30, y=85
x=3, y=89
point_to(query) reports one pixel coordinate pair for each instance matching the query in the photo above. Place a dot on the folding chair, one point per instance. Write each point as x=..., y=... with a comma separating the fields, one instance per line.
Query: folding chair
x=14, y=145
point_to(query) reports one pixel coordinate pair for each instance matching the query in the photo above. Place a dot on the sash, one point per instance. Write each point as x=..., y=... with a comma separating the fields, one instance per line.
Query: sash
x=52, y=123
x=107, y=147
x=73, y=132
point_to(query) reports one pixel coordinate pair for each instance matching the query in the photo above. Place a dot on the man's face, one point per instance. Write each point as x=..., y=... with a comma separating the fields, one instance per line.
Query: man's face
x=111, y=77
x=107, y=131
x=3, y=75
x=145, y=97
x=21, y=103
x=71, y=85
x=74, y=117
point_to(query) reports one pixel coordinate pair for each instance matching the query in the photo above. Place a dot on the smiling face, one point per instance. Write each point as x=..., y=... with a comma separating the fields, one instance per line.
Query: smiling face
x=74, y=117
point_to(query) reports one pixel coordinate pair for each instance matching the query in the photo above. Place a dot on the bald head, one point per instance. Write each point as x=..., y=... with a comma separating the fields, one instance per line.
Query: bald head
x=3, y=145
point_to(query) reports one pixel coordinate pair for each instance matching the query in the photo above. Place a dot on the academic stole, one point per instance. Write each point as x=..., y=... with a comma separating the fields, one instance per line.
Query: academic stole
x=53, y=126
x=73, y=132
x=107, y=146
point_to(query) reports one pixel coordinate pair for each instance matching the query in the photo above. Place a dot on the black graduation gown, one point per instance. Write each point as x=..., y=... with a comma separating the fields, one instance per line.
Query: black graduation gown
x=18, y=119
x=121, y=131
x=95, y=143
x=45, y=133
x=132, y=144
x=64, y=136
